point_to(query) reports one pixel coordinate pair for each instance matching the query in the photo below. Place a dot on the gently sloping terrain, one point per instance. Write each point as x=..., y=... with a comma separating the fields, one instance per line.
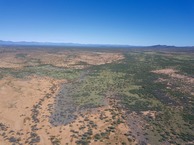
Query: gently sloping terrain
x=74, y=96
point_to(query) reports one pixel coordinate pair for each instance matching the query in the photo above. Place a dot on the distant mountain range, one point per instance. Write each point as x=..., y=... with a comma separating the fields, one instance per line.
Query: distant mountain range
x=59, y=44
x=25, y=43
x=34, y=43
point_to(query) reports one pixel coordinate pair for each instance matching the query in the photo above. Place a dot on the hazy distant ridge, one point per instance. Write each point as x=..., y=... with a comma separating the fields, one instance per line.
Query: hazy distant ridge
x=82, y=45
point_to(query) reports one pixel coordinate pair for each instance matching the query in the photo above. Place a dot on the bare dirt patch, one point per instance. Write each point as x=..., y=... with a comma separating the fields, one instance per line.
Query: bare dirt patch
x=149, y=113
x=168, y=71
x=8, y=60
x=76, y=59
x=63, y=58
x=17, y=98
x=174, y=74
x=178, y=83
x=26, y=106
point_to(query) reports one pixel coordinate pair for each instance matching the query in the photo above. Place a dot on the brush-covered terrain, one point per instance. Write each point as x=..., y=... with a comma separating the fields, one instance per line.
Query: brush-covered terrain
x=67, y=96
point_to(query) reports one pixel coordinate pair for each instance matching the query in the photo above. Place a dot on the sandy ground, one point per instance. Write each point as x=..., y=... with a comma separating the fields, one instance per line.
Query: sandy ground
x=76, y=59
x=17, y=97
x=26, y=104
x=149, y=113
x=63, y=58
x=25, y=108
x=8, y=60
x=186, y=84
x=167, y=71
x=24, y=101
x=174, y=74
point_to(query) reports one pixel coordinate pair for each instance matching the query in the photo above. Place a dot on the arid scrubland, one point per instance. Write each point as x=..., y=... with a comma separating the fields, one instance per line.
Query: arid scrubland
x=87, y=96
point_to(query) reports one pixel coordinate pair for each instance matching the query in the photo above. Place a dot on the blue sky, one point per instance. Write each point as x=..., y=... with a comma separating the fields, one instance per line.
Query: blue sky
x=133, y=22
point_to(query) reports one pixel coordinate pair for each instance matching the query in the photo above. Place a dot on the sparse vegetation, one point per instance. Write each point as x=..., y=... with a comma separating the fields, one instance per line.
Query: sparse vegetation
x=148, y=91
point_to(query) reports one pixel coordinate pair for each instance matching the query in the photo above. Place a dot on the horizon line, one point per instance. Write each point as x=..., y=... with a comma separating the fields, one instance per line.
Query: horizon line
x=111, y=44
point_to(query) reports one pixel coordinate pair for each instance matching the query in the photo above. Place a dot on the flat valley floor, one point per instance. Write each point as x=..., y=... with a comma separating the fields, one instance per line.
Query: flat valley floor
x=69, y=96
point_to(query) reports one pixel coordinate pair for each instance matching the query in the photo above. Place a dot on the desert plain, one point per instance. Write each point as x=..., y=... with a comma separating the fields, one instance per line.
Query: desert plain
x=67, y=96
